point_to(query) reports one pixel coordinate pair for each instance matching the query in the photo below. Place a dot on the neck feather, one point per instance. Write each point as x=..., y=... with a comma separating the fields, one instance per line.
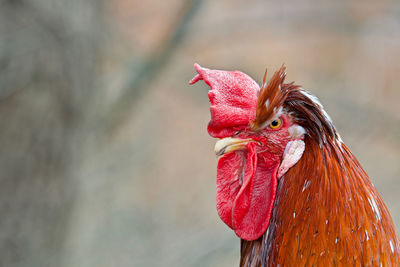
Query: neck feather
x=326, y=211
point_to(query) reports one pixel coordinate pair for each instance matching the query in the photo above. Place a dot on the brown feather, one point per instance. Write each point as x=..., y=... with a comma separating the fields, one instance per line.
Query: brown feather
x=270, y=99
x=326, y=211
x=330, y=222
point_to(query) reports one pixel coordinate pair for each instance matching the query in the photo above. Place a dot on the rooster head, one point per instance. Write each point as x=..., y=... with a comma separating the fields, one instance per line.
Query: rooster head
x=259, y=141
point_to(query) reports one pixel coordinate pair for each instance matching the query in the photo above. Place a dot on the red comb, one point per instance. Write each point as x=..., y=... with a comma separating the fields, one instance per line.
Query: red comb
x=233, y=98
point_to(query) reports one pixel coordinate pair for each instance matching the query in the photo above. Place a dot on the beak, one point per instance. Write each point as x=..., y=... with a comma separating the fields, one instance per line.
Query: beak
x=230, y=144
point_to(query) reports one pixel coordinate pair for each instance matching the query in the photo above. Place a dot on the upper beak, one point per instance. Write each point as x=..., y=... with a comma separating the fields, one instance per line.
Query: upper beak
x=229, y=144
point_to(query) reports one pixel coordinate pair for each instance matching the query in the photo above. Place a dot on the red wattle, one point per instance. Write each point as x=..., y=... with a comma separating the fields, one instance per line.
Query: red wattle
x=230, y=171
x=246, y=188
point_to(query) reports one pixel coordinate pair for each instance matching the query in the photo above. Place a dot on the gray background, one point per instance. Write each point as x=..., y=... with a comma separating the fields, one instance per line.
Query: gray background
x=105, y=159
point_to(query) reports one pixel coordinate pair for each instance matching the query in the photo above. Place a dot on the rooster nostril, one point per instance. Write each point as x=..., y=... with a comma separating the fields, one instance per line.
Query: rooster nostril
x=237, y=133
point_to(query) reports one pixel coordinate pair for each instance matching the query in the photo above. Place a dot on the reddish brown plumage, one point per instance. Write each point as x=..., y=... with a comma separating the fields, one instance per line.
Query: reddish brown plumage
x=295, y=192
x=326, y=211
x=323, y=215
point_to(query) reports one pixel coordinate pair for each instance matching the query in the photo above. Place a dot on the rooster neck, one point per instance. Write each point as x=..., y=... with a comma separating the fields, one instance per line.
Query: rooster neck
x=328, y=212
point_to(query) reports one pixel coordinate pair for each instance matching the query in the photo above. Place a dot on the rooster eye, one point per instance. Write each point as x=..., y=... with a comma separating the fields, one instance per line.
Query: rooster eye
x=275, y=124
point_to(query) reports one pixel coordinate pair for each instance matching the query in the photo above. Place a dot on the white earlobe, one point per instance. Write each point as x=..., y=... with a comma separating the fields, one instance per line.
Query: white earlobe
x=296, y=132
x=293, y=152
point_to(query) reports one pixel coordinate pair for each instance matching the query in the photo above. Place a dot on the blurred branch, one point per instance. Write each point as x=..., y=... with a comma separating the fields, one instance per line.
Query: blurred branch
x=48, y=54
x=153, y=66
x=35, y=20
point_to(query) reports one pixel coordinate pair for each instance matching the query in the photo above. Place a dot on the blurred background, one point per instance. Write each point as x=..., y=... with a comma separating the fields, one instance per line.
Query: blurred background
x=105, y=159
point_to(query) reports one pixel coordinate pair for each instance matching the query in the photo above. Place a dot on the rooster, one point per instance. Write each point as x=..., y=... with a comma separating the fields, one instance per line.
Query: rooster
x=286, y=183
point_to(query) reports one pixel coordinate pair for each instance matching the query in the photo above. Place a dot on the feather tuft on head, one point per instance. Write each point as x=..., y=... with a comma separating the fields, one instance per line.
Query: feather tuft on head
x=270, y=100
